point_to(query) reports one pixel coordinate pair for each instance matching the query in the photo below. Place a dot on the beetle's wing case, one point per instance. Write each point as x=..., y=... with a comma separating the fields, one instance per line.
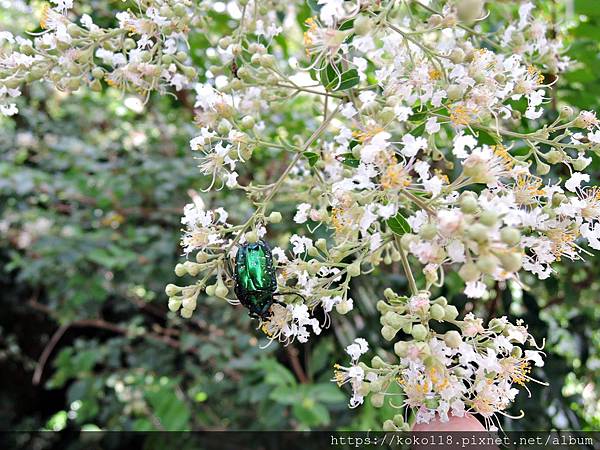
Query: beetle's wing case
x=255, y=280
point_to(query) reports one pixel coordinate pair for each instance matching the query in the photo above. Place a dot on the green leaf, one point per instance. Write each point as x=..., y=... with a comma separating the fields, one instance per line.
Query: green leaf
x=286, y=395
x=312, y=157
x=349, y=79
x=486, y=138
x=311, y=413
x=314, y=5
x=349, y=160
x=276, y=373
x=172, y=412
x=327, y=393
x=418, y=131
x=398, y=225
x=347, y=25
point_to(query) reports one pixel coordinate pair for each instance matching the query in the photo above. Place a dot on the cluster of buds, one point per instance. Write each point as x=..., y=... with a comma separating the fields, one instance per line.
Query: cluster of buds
x=145, y=53
x=470, y=368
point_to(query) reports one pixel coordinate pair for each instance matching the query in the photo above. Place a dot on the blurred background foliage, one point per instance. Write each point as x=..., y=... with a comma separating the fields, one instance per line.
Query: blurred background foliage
x=92, y=186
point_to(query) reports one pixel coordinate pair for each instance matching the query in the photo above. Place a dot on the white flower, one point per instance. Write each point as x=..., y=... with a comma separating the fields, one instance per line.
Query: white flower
x=475, y=289
x=348, y=110
x=379, y=142
x=592, y=234
x=575, y=181
x=368, y=217
x=331, y=11
x=358, y=348
x=9, y=109
x=460, y=142
x=412, y=145
x=300, y=244
x=432, y=126
x=302, y=213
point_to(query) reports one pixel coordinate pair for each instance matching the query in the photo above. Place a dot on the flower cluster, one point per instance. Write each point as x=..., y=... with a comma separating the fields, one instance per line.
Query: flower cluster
x=468, y=369
x=412, y=153
x=144, y=53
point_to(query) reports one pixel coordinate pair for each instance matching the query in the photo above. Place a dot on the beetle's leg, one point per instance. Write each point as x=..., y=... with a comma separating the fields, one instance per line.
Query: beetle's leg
x=289, y=293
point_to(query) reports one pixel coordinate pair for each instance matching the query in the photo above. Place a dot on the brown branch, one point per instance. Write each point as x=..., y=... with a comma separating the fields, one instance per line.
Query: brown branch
x=164, y=338
x=292, y=354
x=39, y=368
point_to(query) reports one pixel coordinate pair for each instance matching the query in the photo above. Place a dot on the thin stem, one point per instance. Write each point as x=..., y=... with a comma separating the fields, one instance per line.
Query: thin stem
x=412, y=284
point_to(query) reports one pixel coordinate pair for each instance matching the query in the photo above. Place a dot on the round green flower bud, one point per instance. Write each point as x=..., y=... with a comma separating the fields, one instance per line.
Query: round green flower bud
x=510, y=236
x=441, y=301
x=469, y=272
x=406, y=240
x=221, y=291
x=174, y=304
x=389, y=426
x=314, y=266
x=468, y=204
x=407, y=327
x=542, y=168
x=558, y=199
x=251, y=237
x=192, y=268
x=267, y=60
x=224, y=126
x=452, y=339
x=73, y=84
x=180, y=10
x=566, y=112
x=394, y=320
x=450, y=312
x=478, y=232
x=419, y=332
x=479, y=76
x=96, y=86
x=98, y=73
x=186, y=313
x=180, y=270
x=455, y=92
x=401, y=348
x=511, y=262
x=496, y=325
x=362, y=25
x=388, y=332
x=190, y=73
x=354, y=269
x=247, y=122
x=428, y=231
x=364, y=389
x=488, y=218
x=377, y=400
x=435, y=20
x=457, y=55
x=378, y=363
x=436, y=312
x=469, y=10
x=387, y=114
x=210, y=290
x=343, y=307
x=554, y=156
x=171, y=290
x=580, y=164
x=274, y=217
x=487, y=264
x=516, y=352
x=398, y=420
x=389, y=293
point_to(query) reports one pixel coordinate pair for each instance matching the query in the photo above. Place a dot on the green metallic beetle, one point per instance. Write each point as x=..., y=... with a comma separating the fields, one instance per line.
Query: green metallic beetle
x=255, y=280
